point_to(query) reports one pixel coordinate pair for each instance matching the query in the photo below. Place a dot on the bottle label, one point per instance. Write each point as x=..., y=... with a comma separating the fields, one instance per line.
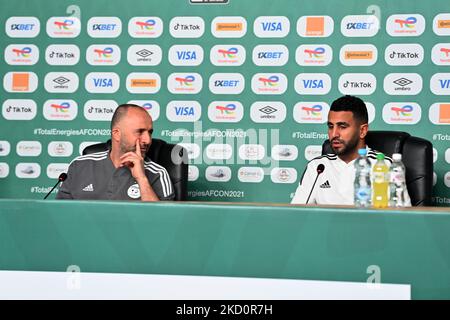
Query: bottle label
x=363, y=194
x=397, y=178
x=379, y=177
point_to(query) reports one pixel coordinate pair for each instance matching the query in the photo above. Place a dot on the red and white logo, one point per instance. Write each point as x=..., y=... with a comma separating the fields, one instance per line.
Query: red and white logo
x=60, y=110
x=440, y=54
x=314, y=55
x=184, y=83
x=225, y=111
x=145, y=27
x=103, y=55
x=269, y=83
x=21, y=54
x=408, y=113
x=311, y=112
x=405, y=25
x=63, y=27
x=227, y=55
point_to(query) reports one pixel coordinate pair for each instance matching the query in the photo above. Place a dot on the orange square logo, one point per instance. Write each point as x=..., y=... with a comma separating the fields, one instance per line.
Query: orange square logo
x=229, y=27
x=315, y=26
x=443, y=24
x=358, y=55
x=143, y=83
x=20, y=82
x=444, y=113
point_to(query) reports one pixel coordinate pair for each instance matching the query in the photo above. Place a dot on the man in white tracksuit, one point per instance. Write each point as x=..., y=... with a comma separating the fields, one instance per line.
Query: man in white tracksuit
x=347, y=130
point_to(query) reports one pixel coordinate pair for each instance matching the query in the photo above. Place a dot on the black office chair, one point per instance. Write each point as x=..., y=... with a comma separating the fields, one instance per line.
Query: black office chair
x=171, y=156
x=417, y=156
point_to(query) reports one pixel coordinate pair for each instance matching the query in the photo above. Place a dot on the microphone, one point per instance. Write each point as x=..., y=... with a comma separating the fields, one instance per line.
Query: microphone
x=61, y=178
x=320, y=168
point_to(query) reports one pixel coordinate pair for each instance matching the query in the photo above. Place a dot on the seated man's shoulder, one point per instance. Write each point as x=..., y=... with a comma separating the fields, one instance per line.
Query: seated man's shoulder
x=372, y=155
x=155, y=168
x=156, y=172
x=323, y=159
x=97, y=156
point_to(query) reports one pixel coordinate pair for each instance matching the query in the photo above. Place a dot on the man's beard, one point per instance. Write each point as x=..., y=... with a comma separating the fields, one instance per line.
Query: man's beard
x=124, y=148
x=348, y=147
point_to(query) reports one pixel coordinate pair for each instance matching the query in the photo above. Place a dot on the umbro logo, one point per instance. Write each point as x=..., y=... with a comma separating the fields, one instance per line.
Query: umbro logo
x=325, y=185
x=402, y=82
x=89, y=188
x=144, y=53
x=61, y=80
x=268, y=110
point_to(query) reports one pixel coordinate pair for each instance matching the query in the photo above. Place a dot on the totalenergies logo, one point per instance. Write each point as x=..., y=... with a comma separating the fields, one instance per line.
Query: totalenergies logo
x=105, y=53
x=446, y=51
x=230, y=53
x=24, y=52
x=315, y=110
x=186, y=81
x=64, y=25
x=407, y=23
x=405, y=111
x=229, y=109
x=316, y=53
x=146, y=25
x=147, y=106
x=271, y=81
x=63, y=107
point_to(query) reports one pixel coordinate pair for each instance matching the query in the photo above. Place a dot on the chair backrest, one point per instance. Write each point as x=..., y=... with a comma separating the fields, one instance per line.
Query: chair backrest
x=417, y=156
x=171, y=156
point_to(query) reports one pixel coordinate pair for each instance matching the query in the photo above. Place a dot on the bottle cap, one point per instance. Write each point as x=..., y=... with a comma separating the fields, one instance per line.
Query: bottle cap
x=362, y=152
x=397, y=157
x=380, y=156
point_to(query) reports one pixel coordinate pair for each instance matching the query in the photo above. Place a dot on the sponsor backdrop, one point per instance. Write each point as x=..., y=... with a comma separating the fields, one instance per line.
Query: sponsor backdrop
x=244, y=85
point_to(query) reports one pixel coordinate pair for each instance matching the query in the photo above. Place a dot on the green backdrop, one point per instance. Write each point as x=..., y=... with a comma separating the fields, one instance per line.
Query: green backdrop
x=289, y=132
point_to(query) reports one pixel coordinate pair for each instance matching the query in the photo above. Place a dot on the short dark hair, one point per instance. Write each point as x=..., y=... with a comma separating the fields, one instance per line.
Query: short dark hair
x=352, y=104
x=121, y=112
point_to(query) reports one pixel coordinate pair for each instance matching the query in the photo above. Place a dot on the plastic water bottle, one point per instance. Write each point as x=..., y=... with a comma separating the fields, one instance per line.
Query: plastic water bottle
x=362, y=180
x=397, y=182
x=380, y=183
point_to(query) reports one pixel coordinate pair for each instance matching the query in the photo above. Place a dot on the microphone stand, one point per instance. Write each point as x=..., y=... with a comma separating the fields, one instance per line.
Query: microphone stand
x=61, y=178
x=320, y=169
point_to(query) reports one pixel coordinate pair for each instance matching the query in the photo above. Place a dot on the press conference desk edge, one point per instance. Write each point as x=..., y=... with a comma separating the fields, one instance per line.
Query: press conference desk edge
x=266, y=240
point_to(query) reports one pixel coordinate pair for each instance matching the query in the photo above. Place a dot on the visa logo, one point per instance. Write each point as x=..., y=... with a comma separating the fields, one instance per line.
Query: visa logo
x=104, y=27
x=445, y=84
x=184, y=111
x=359, y=25
x=271, y=26
x=313, y=84
x=101, y=82
x=186, y=55
x=22, y=26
